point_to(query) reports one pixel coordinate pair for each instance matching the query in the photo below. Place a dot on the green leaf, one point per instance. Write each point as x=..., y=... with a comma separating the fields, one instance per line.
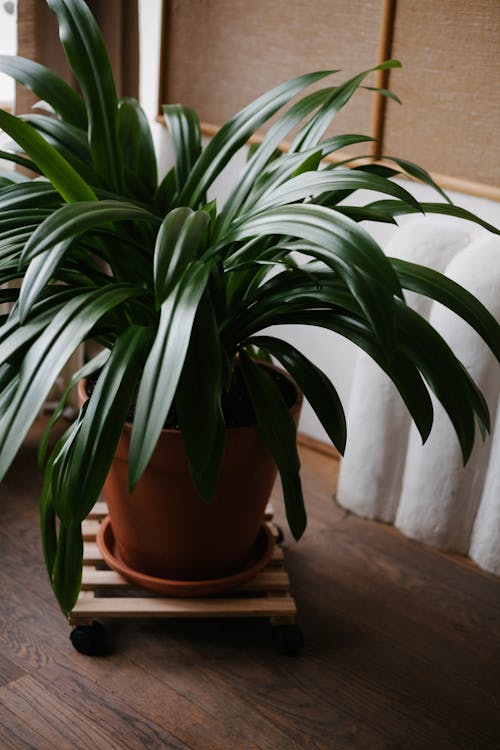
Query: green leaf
x=48, y=523
x=39, y=273
x=67, y=573
x=89, y=61
x=8, y=390
x=49, y=87
x=71, y=221
x=137, y=143
x=47, y=356
x=314, y=384
x=314, y=183
x=62, y=135
x=235, y=133
x=266, y=151
x=81, y=473
x=313, y=131
x=383, y=92
x=163, y=366
x=87, y=369
x=343, y=245
x=166, y=192
x=278, y=430
x=183, y=235
x=17, y=159
x=14, y=337
x=337, y=234
x=399, y=368
x=439, y=287
x=397, y=208
x=198, y=401
x=20, y=218
x=420, y=174
x=61, y=174
x=46, y=508
x=361, y=213
x=445, y=374
x=184, y=127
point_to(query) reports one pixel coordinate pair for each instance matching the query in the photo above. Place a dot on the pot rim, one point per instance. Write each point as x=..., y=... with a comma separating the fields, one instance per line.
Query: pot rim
x=296, y=406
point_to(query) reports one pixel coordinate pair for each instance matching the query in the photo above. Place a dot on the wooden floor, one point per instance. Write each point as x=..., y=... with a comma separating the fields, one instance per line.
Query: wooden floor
x=402, y=650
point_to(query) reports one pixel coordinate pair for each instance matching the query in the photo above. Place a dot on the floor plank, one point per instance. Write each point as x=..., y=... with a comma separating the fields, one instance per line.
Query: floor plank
x=402, y=649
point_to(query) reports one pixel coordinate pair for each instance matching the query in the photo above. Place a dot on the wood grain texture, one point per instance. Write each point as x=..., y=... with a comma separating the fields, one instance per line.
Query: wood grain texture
x=219, y=55
x=402, y=649
x=449, y=86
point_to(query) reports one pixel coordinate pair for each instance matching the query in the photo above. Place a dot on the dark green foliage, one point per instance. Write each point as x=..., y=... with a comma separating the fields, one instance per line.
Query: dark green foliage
x=178, y=290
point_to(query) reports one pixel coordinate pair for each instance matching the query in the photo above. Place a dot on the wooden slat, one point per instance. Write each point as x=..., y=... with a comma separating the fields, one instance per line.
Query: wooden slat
x=150, y=607
x=99, y=511
x=267, y=580
x=91, y=553
x=89, y=530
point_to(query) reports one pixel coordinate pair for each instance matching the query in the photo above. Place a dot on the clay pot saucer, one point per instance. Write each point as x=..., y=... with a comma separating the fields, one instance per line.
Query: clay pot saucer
x=258, y=560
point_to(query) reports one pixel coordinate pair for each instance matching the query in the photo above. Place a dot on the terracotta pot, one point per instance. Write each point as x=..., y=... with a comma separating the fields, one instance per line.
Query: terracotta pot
x=165, y=529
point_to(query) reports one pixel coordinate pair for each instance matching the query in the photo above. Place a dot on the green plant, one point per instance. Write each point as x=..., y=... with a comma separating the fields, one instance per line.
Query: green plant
x=177, y=289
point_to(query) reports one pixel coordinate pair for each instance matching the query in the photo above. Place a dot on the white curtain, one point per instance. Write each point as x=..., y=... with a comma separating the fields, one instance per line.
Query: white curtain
x=386, y=473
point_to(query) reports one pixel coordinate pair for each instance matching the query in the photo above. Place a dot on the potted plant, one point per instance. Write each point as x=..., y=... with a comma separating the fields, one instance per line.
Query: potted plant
x=178, y=291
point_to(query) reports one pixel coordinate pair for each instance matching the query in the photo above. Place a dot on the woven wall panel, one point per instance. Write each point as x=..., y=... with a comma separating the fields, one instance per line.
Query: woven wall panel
x=450, y=87
x=224, y=53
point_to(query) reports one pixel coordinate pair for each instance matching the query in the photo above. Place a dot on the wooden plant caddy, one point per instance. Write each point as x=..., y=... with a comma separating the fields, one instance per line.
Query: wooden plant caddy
x=105, y=594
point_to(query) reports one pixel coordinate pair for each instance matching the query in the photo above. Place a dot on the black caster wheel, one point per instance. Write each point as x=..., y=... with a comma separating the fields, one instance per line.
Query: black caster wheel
x=280, y=537
x=89, y=639
x=287, y=639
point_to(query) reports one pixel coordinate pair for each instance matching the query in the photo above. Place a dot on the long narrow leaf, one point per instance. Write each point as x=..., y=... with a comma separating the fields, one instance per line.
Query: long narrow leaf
x=397, y=208
x=88, y=368
x=235, y=133
x=89, y=61
x=80, y=475
x=182, y=236
x=198, y=401
x=184, y=127
x=137, y=143
x=399, y=368
x=50, y=162
x=439, y=287
x=276, y=134
x=163, y=366
x=445, y=375
x=46, y=358
x=67, y=573
x=313, y=131
x=17, y=159
x=315, y=183
x=337, y=234
x=314, y=384
x=70, y=221
x=345, y=246
x=49, y=87
x=38, y=275
x=278, y=430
